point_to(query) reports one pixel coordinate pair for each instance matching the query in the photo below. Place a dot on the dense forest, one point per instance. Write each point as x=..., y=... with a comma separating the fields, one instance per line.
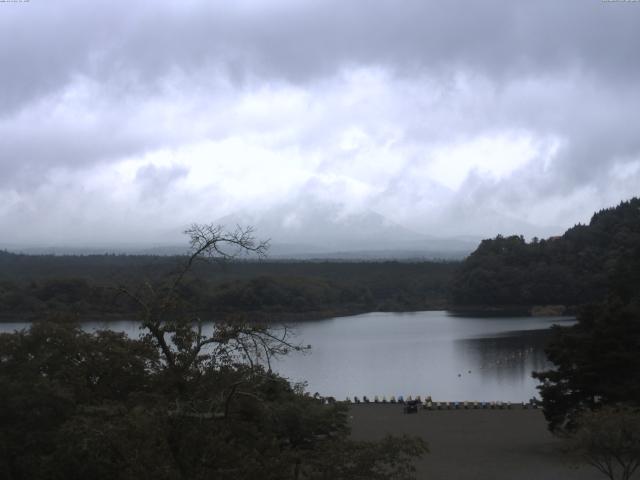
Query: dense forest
x=33, y=286
x=569, y=270
x=175, y=403
x=597, y=360
x=100, y=405
x=576, y=268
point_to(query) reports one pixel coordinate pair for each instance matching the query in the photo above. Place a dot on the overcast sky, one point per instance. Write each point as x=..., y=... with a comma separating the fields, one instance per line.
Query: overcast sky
x=124, y=121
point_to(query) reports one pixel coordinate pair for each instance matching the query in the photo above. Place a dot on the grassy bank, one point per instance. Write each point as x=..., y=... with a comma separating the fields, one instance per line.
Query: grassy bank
x=475, y=444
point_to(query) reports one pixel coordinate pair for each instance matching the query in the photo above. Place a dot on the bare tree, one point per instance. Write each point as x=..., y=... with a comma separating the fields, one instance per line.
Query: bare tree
x=609, y=439
x=197, y=405
x=181, y=338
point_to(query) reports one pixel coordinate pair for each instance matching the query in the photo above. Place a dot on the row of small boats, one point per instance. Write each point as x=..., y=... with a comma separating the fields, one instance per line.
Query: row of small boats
x=428, y=404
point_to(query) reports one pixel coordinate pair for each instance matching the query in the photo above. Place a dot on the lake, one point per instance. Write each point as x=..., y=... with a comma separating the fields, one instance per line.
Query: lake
x=451, y=358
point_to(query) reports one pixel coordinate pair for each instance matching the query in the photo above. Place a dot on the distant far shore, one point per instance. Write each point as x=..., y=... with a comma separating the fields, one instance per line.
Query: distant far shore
x=513, y=310
x=475, y=444
x=266, y=317
x=293, y=317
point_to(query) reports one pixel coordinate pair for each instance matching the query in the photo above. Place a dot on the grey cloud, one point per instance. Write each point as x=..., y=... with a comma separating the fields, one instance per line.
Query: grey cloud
x=42, y=44
x=598, y=124
x=155, y=181
x=452, y=71
x=299, y=41
x=27, y=156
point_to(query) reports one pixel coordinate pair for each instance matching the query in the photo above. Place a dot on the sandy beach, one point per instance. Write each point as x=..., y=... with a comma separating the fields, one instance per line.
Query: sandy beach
x=476, y=444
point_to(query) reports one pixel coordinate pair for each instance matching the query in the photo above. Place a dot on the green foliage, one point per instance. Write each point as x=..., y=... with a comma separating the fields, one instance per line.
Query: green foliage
x=609, y=439
x=178, y=403
x=596, y=362
x=50, y=374
x=75, y=405
x=38, y=286
x=390, y=458
x=574, y=269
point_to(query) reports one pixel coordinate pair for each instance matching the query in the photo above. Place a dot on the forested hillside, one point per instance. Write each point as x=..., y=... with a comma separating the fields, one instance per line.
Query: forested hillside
x=87, y=285
x=576, y=268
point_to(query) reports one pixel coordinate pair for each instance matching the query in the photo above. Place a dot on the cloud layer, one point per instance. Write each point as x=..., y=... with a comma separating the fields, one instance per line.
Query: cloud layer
x=124, y=122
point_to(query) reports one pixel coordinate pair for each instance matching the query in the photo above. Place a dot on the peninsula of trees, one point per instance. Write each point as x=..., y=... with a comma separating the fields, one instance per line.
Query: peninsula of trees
x=574, y=269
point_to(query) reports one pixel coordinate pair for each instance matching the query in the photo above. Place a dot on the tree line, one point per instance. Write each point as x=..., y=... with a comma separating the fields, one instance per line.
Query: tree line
x=592, y=393
x=574, y=269
x=177, y=403
x=36, y=286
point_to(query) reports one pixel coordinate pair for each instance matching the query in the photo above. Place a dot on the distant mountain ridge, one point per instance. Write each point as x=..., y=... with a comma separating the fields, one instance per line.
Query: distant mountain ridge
x=324, y=226
x=307, y=228
x=313, y=229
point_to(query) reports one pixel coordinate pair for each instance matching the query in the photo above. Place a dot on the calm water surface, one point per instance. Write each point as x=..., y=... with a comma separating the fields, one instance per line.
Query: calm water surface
x=419, y=353
x=423, y=353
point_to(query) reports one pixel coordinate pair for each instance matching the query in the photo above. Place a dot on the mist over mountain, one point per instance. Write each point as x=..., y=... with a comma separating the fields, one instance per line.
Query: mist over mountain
x=308, y=228
x=443, y=127
x=312, y=228
x=323, y=225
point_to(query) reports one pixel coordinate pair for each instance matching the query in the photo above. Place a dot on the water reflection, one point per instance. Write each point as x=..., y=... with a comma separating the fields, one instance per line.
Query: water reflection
x=419, y=353
x=423, y=353
x=506, y=360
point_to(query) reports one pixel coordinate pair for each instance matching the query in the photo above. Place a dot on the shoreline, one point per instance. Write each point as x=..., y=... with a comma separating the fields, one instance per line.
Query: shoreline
x=251, y=316
x=282, y=317
x=483, y=444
